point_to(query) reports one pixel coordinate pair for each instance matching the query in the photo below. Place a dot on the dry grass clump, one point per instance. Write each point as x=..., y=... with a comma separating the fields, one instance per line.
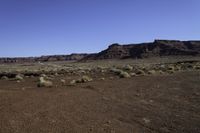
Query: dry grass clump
x=83, y=79
x=82, y=72
x=186, y=66
x=120, y=73
x=101, y=69
x=44, y=83
x=19, y=77
x=132, y=74
x=4, y=78
x=43, y=75
x=102, y=79
x=139, y=72
x=62, y=81
x=116, y=71
x=73, y=82
x=161, y=72
x=124, y=75
x=170, y=69
x=127, y=68
x=197, y=67
x=151, y=72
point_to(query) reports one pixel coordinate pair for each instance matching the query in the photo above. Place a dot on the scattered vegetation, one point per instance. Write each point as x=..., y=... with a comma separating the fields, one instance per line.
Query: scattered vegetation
x=128, y=68
x=139, y=72
x=124, y=75
x=151, y=72
x=44, y=83
x=51, y=71
x=83, y=79
x=4, y=78
x=73, y=82
x=19, y=77
x=120, y=73
x=63, y=81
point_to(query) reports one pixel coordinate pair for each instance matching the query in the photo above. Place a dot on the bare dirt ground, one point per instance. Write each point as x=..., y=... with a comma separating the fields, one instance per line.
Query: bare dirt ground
x=166, y=103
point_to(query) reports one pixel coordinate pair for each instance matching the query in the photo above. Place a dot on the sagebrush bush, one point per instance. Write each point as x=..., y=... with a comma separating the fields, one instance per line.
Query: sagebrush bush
x=197, y=67
x=124, y=75
x=151, y=72
x=4, y=78
x=44, y=83
x=128, y=68
x=139, y=72
x=63, y=81
x=19, y=77
x=83, y=79
x=73, y=82
x=120, y=73
x=116, y=71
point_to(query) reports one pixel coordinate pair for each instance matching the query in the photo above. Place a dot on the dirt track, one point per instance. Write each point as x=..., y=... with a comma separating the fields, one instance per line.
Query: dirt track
x=158, y=104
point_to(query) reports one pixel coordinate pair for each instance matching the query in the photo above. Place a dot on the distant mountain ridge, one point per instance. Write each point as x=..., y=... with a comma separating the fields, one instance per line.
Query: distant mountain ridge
x=144, y=50
x=43, y=58
x=157, y=48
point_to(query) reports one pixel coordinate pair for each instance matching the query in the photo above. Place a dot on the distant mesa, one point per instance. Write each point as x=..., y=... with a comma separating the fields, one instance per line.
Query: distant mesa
x=158, y=48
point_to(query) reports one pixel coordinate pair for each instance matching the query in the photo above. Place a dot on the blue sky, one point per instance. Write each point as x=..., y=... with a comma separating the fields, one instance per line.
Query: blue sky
x=43, y=27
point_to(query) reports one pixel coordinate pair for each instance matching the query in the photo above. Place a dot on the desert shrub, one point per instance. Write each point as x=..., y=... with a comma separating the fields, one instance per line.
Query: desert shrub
x=163, y=67
x=73, y=82
x=127, y=67
x=82, y=71
x=177, y=68
x=170, y=67
x=143, y=68
x=63, y=81
x=100, y=67
x=4, y=78
x=139, y=72
x=56, y=74
x=124, y=75
x=83, y=79
x=44, y=83
x=161, y=72
x=116, y=71
x=197, y=67
x=120, y=73
x=170, y=71
x=43, y=75
x=151, y=72
x=132, y=74
x=102, y=78
x=19, y=77
x=187, y=66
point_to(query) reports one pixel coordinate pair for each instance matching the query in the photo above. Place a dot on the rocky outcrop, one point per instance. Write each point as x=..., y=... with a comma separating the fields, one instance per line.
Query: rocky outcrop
x=145, y=50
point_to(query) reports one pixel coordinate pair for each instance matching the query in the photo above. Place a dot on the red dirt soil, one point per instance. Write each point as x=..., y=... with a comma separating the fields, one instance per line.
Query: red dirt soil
x=146, y=104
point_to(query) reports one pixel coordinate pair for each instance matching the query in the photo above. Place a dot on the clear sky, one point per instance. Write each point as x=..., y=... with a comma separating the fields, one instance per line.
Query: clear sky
x=43, y=27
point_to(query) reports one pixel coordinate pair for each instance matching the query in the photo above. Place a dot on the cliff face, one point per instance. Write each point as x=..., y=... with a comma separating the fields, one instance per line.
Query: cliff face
x=145, y=50
x=116, y=51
